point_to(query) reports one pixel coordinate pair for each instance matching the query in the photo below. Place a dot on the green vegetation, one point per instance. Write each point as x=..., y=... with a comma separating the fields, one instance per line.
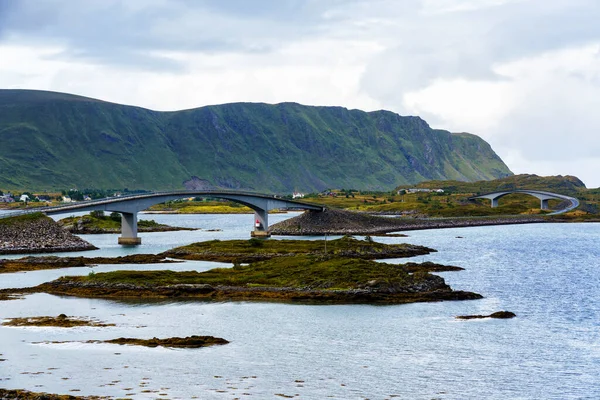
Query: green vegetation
x=256, y=249
x=22, y=219
x=567, y=185
x=202, y=207
x=54, y=141
x=345, y=274
x=307, y=272
x=454, y=200
x=97, y=222
x=312, y=272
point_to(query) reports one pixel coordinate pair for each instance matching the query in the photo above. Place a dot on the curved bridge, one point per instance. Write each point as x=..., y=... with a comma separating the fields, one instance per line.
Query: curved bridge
x=129, y=206
x=543, y=196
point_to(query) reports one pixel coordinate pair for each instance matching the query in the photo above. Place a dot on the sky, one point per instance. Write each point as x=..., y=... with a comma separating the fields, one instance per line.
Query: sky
x=522, y=74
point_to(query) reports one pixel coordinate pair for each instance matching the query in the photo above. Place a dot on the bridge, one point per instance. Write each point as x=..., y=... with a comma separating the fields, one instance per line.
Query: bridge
x=543, y=196
x=129, y=206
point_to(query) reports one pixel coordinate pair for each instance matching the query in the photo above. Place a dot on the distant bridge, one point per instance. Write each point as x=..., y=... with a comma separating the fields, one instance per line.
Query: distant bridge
x=543, y=196
x=129, y=206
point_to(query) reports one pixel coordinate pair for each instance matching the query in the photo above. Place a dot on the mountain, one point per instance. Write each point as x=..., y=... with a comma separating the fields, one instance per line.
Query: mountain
x=54, y=140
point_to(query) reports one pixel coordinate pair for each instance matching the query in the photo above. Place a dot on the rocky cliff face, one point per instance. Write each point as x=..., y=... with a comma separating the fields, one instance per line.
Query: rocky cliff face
x=52, y=140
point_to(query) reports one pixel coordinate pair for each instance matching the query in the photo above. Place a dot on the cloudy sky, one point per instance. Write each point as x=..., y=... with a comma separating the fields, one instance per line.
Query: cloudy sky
x=522, y=74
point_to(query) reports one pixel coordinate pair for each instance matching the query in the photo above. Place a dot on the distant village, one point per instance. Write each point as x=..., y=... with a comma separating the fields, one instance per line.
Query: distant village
x=73, y=195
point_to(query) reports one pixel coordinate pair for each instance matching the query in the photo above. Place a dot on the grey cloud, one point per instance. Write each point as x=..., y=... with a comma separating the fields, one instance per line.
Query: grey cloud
x=125, y=32
x=469, y=44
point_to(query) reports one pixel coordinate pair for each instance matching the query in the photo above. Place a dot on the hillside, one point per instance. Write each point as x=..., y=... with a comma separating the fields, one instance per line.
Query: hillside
x=55, y=140
x=567, y=185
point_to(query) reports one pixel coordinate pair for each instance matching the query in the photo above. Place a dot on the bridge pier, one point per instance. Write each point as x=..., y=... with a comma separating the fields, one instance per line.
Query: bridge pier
x=129, y=229
x=261, y=224
x=544, y=204
x=129, y=206
x=494, y=202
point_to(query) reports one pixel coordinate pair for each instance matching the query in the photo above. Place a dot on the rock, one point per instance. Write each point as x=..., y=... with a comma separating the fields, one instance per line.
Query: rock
x=37, y=233
x=497, y=314
x=341, y=222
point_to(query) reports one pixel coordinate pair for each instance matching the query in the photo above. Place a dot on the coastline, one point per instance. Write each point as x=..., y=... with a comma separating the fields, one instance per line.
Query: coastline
x=341, y=222
x=439, y=292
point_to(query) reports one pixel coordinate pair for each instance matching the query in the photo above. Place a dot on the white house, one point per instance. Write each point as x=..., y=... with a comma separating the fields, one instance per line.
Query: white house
x=66, y=199
x=415, y=190
x=297, y=195
x=24, y=198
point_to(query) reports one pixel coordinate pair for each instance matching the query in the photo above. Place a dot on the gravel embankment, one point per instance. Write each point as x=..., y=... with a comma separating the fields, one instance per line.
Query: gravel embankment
x=37, y=234
x=340, y=222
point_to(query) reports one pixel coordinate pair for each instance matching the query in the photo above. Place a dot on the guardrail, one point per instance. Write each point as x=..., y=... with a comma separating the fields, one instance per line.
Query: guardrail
x=116, y=199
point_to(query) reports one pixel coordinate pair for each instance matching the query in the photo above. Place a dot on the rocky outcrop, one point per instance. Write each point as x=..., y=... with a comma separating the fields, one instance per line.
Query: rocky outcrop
x=497, y=315
x=20, y=394
x=88, y=224
x=31, y=263
x=189, y=342
x=341, y=222
x=37, y=233
x=376, y=292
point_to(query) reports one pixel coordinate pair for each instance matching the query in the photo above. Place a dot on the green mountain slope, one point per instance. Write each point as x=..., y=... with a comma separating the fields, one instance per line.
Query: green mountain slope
x=54, y=140
x=568, y=185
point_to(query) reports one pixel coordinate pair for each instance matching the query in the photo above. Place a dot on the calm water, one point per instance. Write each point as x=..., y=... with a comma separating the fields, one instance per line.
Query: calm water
x=547, y=274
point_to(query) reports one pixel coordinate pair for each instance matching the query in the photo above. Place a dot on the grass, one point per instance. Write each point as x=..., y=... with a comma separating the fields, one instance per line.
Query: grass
x=106, y=222
x=10, y=221
x=202, y=207
x=248, y=145
x=290, y=272
x=253, y=249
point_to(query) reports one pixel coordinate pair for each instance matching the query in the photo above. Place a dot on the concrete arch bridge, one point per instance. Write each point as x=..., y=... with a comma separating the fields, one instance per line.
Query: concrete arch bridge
x=543, y=196
x=129, y=206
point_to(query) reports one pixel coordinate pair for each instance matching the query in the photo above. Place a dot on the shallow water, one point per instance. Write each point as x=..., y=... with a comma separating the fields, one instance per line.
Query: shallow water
x=546, y=273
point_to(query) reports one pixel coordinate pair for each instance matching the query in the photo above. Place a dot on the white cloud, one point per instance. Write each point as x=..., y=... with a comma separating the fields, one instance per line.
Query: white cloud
x=523, y=74
x=544, y=113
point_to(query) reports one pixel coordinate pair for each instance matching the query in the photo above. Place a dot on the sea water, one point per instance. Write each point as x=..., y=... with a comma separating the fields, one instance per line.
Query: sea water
x=548, y=274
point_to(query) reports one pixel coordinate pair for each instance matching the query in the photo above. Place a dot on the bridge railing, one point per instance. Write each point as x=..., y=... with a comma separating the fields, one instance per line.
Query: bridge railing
x=114, y=199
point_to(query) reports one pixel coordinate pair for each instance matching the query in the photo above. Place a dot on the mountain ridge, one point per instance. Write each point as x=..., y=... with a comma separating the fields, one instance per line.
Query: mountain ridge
x=56, y=140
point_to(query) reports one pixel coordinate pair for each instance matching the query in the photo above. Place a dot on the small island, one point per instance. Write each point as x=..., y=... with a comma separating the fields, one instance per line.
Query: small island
x=189, y=342
x=97, y=222
x=496, y=315
x=61, y=321
x=243, y=251
x=292, y=270
x=22, y=394
x=52, y=262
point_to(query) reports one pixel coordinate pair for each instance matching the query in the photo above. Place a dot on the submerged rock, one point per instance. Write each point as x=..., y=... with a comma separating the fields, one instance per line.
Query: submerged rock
x=177, y=342
x=61, y=321
x=497, y=314
x=20, y=394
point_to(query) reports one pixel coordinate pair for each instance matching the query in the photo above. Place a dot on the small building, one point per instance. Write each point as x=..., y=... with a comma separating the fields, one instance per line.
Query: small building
x=24, y=198
x=297, y=195
x=417, y=190
x=7, y=198
x=66, y=199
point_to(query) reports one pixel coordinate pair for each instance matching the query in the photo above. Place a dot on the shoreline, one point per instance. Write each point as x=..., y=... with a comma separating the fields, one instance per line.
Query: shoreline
x=207, y=292
x=340, y=222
